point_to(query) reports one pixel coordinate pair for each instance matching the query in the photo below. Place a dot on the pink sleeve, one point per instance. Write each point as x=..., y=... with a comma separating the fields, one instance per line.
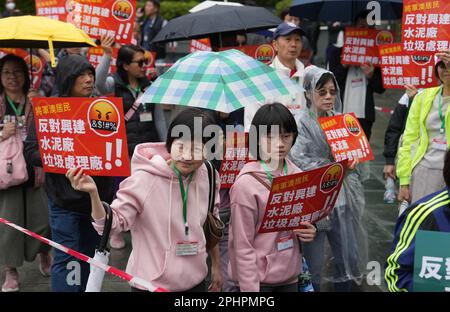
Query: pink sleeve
x=244, y=218
x=127, y=205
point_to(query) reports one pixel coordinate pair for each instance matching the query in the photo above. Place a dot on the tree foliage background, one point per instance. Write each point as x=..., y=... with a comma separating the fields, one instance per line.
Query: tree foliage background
x=169, y=9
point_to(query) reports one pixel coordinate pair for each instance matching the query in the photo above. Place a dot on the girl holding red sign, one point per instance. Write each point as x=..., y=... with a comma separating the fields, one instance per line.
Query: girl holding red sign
x=144, y=123
x=312, y=151
x=164, y=203
x=266, y=262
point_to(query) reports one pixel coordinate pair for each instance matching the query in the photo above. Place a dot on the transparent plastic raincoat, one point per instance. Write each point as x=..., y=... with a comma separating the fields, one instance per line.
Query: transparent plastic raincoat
x=344, y=228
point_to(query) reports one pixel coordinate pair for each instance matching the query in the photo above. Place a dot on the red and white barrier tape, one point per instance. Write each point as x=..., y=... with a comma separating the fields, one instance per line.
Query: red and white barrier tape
x=384, y=109
x=119, y=273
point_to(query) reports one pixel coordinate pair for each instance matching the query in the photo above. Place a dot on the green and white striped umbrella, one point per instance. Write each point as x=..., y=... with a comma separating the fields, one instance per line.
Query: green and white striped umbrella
x=222, y=81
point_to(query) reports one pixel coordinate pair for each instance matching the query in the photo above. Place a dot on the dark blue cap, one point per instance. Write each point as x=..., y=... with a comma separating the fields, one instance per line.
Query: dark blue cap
x=287, y=28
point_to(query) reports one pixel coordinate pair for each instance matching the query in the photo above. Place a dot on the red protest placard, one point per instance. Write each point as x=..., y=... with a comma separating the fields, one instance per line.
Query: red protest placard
x=38, y=64
x=82, y=132
x=426, y=26
x=303, y=197
x=200, y=45
x=361, y=45
x=114, y=18
x=346, y=138
x=94, y=56
x=264, y=53
x=399, y=68
x=54, y=9
x=235, y=156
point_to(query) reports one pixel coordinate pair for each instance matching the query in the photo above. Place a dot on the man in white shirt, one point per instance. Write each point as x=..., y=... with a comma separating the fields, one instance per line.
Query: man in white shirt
x=288, y=45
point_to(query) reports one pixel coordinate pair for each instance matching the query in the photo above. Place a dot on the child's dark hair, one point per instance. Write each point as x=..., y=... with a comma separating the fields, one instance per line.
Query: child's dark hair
x=269, y=115
x=187, y=118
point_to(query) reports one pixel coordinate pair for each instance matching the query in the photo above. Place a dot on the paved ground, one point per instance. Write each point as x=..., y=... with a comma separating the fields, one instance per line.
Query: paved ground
x=379, y=219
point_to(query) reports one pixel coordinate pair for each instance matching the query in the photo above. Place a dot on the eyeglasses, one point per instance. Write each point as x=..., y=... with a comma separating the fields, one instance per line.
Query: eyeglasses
x=323, y=92
x=16, y=73
x=140, y=62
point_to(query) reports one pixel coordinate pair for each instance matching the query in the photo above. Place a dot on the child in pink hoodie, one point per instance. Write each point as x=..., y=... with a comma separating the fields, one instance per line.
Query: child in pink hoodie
x=269, y=262
x=167, y=231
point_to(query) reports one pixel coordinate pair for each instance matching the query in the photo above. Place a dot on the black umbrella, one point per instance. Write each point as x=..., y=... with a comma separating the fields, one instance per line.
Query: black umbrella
x=217, y=19
x=343, y=10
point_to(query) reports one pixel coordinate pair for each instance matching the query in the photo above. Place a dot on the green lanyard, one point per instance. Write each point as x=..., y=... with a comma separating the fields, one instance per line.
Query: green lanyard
x=184, y=196
x=269, y=174
x=441, y=115
x=137, y=90
x=18, y=112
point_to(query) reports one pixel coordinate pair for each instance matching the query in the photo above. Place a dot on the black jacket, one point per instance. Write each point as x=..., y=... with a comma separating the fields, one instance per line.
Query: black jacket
x=57, y=186
x=375, y=83
x=149, y=32
x=137, y=132
x=394, y=131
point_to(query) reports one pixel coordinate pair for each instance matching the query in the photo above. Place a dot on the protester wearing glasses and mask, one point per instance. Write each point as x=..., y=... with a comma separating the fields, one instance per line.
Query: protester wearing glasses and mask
x=144, y=123
x=343, y=228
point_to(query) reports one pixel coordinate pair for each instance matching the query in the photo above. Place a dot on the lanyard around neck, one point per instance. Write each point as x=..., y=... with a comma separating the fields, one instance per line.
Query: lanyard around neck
x=269, y=174
x=137, y=90
x=441, y=114
x=17, y=111
x=184, y=195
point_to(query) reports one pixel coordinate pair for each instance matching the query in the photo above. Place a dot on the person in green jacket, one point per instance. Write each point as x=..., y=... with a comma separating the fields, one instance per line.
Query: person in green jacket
x=427, y=131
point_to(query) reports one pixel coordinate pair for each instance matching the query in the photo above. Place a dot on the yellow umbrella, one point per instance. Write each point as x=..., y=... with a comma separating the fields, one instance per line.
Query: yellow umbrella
x=41, y=32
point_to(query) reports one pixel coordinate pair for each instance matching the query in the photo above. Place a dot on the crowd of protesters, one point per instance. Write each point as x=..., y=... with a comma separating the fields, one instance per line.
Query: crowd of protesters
x=164, y=202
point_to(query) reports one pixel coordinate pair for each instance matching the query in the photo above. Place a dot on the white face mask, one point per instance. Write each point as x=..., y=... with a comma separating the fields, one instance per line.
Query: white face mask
x=10, y=6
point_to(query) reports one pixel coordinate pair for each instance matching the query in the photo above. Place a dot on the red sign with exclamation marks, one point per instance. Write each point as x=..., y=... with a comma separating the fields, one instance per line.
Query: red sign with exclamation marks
x=303, y=197
x=113, y=18
x=82, y=132
x=425, y=26
x=399, y=68
x=346, y=138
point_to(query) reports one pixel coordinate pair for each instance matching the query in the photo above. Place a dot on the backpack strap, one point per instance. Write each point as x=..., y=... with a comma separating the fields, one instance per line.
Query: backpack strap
x=130, y=113
x=212, y=185
x=266, y=185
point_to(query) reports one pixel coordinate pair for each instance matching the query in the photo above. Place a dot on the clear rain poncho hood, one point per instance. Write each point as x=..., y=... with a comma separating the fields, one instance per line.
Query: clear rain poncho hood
x=311, y=78
x=344, y=228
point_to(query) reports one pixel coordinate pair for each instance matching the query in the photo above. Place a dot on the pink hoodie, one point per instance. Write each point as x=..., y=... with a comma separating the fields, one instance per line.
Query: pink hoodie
x=254, y=257
x=149, y=204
